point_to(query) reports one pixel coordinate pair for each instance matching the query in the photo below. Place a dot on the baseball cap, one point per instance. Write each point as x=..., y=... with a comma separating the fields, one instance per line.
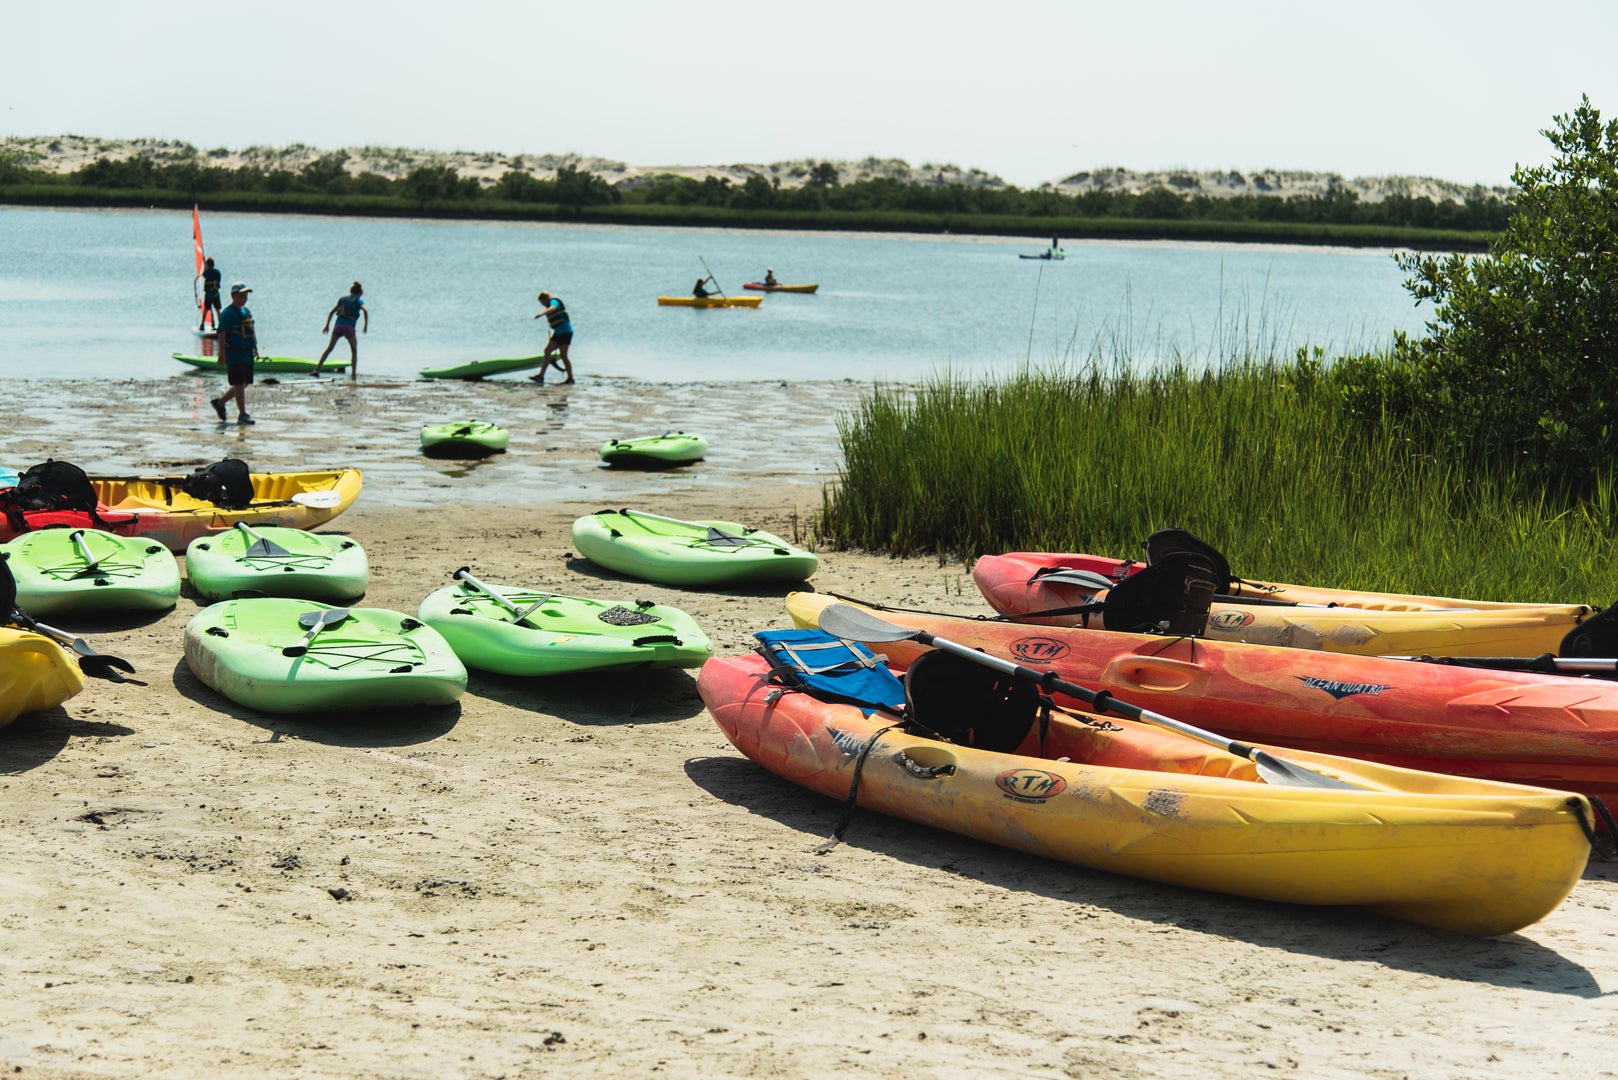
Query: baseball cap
x=239, y=287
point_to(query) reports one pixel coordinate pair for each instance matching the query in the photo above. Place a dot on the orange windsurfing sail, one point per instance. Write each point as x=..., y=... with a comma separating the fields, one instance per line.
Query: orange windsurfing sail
x=196, y=236
x=196, y=242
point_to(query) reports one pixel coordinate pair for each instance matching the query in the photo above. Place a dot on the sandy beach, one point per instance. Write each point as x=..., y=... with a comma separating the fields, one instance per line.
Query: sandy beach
x=582, y=877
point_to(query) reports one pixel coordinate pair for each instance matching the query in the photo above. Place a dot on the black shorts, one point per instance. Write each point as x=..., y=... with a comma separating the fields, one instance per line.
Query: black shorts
x=560, y=339
x=239, y=374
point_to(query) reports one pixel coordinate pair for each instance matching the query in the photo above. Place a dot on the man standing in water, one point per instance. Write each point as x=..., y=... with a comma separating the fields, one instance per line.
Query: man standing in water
x=210, y=291
x=555, y=313
x=238, y=348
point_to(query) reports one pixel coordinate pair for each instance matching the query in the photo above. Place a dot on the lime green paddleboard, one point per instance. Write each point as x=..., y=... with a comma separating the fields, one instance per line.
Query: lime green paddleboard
x=271, y=560
x=675, y=552
x=88, y=570
x=515, y=631
x=371, y=658
x=265, y=365
x=655, y=451
x=481, y=369
x=463, y=439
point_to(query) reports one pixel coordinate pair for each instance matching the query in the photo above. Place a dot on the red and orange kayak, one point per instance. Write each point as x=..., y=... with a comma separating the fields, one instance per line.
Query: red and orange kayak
x=1532, y=728
x=1023, y=584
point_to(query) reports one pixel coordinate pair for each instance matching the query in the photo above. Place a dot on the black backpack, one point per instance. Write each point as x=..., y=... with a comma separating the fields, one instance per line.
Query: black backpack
x=51, y=485
x=224, y=483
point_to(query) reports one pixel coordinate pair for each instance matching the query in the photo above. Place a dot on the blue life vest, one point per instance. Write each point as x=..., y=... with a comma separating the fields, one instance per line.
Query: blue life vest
x=831, y=669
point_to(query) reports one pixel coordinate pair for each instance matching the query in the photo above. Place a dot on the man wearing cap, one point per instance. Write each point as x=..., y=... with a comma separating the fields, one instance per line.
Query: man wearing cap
x=238, y=348
x=554, y=312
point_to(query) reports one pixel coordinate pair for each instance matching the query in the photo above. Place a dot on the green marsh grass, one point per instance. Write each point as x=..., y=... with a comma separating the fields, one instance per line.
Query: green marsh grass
x=1253, y=457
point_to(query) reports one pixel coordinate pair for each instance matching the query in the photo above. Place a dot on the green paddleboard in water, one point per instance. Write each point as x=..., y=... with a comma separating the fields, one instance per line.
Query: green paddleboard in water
x=463, y=439
x=558, y=635
x=265, y=365
x=480, y=369
x=88, y=570
x=271, y=560
x=655, y=451
x=371, y=659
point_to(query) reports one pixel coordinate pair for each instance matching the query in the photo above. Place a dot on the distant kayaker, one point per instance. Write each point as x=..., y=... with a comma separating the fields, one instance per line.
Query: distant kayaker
x=698, y=291
x=238, y=348
x=769, y=278
x=350, y=311
x=561, y=327
x=210, y=292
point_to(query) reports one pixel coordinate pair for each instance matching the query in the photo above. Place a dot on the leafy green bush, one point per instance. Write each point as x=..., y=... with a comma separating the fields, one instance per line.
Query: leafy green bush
x=1520, y=363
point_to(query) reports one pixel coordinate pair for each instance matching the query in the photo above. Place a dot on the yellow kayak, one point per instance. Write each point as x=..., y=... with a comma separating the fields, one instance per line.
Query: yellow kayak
x=35, y=674
x=1034, y=587
x=157, y=506
x=1470, y=856
x=710, y=301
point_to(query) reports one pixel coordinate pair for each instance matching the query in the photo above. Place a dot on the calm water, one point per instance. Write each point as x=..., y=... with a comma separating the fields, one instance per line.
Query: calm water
x=110, y=294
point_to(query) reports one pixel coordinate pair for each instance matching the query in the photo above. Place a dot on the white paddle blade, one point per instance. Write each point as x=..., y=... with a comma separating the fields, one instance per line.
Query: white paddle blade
x=323, y=500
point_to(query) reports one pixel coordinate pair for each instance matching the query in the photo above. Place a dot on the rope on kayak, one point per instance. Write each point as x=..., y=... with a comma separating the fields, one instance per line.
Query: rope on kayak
x=853, y=791
x=1607, y=852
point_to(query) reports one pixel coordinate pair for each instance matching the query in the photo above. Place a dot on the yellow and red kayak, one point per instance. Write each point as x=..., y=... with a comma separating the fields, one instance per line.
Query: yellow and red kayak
x=1463, y=855
x=759, y=286
x=710, y=301
x=1022, y=585
x=1519, y=726
x=158, y=508
x=1033, y=564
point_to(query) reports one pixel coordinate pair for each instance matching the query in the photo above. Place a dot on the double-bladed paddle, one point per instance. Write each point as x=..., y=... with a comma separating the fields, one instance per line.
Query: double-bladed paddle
x=315, y=622
x=854, y=624
x=465, y=574
x=716, y=285
x=95, y=664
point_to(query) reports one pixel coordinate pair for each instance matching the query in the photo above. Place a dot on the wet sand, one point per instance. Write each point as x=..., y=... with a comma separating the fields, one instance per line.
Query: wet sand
x=582, y=877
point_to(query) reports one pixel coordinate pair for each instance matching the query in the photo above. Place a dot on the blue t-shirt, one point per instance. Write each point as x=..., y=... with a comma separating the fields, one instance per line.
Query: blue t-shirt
x=348, y=309
x=210, y=280
x=556, y=315
x=236, y=337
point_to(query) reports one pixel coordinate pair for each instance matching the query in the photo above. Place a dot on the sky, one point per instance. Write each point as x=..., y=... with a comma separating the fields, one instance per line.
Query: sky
x=1029, y=90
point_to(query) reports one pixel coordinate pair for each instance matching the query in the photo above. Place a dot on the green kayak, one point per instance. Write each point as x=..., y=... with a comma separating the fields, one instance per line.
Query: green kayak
x=482, y=369
x=675, y=552
x=371, y=658
x=272, y=560
x=515, y=631
x=654, y=451
x=463, y=439
x=87, y=570
x=265, y=365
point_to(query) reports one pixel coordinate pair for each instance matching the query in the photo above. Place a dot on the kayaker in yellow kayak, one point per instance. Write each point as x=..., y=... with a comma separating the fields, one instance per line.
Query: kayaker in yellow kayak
x=769, y=278
x=698, y=291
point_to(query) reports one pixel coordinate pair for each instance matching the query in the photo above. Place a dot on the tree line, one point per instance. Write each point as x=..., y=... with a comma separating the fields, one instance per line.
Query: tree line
x=571, y=188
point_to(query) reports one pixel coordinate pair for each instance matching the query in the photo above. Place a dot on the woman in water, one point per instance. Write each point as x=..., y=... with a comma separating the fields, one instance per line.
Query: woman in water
x=350, y=310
